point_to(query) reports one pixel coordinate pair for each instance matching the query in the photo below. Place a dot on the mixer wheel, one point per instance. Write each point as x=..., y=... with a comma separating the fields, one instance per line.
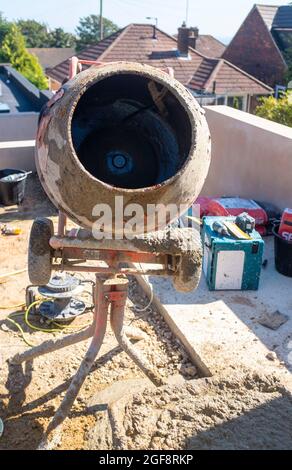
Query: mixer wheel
x=40, y=252
x=188, y=273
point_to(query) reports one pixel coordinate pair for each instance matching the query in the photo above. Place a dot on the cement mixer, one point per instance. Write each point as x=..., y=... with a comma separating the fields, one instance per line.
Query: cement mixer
x=116, y=130
x=122, y=129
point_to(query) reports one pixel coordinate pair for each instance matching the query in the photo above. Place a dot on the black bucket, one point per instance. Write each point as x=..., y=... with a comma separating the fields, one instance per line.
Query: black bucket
x=283, y=253
x=12, y=186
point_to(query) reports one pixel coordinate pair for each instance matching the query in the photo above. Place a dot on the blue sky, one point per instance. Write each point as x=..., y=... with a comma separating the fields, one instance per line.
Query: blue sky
x=218, y=17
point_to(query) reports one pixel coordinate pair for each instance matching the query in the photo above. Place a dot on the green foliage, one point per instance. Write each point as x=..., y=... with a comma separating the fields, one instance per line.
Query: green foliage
x=38, y=35
x=88, y=30
x=59, y=38
x=14, y=51
x=4, y=29
x=276, y=110
x=288, y=59
x=35, y=33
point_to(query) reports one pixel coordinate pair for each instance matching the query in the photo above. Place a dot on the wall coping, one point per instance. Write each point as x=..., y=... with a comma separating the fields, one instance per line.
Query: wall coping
x=252, y=120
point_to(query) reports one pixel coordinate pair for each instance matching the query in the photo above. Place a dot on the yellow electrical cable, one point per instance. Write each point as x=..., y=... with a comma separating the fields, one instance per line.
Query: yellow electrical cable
x=13, y=273
x=21, y=331
x=11, y=307
x=60, y=329
x=37, y=328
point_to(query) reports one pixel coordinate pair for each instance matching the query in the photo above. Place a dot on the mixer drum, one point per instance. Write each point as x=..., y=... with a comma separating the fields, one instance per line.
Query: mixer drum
x=122, y=129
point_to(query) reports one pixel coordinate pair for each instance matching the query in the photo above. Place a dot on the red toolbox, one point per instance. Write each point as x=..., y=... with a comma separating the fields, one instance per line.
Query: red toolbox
x=285, y=229
x=265, y=214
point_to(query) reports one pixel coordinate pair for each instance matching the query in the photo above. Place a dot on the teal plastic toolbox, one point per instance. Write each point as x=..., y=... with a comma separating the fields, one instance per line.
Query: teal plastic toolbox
x=229, y=263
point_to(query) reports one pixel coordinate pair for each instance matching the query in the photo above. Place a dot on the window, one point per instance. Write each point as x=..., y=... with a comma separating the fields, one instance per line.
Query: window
x=221, y=100
x=236, y=102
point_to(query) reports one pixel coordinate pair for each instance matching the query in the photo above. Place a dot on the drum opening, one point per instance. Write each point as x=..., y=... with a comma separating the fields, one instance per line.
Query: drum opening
x=131, y=132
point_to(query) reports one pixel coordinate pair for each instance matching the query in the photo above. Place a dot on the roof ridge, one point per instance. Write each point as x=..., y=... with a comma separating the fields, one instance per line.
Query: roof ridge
x=168, y=35
x=85, y=49
x=121, y=32
x=265, y=5
x=211, y=36
x=98, y=42
x=46, y=48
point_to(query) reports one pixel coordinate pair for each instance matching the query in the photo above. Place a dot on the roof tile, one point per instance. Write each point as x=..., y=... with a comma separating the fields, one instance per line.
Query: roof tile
x=209, y=46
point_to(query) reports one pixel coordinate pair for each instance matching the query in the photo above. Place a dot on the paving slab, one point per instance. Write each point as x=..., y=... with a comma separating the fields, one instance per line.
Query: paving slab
x=221, y=329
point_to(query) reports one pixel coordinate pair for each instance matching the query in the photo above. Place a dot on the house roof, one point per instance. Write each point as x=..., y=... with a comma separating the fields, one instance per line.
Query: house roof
x=283, y=17
x=92, y=52
x=276, y=16
x=18, y=94
x=268, y=13
x=135, y=43
x=209, y=46
x=230, y=79
x=51, y=56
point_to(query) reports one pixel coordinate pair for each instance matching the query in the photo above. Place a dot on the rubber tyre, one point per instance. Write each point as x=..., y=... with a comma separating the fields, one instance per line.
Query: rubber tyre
x=40, y=252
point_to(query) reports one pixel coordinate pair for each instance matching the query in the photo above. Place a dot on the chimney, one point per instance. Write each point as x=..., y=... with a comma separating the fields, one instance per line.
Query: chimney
x=193, y=36
x=183, y=40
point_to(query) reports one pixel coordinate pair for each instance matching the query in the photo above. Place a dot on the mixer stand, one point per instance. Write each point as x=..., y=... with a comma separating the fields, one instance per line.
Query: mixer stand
x=68, y=252
x=110, y=295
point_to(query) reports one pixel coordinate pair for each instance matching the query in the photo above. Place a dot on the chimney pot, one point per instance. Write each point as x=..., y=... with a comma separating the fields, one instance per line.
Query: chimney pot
x=193, y=36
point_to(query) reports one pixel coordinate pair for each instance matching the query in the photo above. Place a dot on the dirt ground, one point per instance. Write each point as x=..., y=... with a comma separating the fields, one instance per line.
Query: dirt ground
x=29, y=397
x=240, y=410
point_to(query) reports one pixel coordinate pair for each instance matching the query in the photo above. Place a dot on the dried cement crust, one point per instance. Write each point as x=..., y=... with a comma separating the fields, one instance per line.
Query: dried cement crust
x=39, y=251
x=174, y=241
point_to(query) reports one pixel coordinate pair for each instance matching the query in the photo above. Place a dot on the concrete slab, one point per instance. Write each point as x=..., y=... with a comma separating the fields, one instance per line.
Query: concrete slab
x=221, y=329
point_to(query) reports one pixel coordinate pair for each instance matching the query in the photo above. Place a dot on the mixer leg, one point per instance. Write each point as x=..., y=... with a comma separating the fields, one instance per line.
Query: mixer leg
x=101, y=310
x=117, y=320
x=52, y=345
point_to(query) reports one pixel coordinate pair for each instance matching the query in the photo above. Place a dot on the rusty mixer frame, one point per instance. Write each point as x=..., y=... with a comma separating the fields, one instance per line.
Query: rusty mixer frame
x=67, y=253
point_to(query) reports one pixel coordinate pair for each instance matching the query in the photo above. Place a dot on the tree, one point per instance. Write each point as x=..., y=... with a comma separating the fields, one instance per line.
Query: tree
x=278, y=110
x=14, y=51
x=38, y=35
x=59, y=38
x=88, y=30
x=288, y=59
x=4, y=29
x=35, y=33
